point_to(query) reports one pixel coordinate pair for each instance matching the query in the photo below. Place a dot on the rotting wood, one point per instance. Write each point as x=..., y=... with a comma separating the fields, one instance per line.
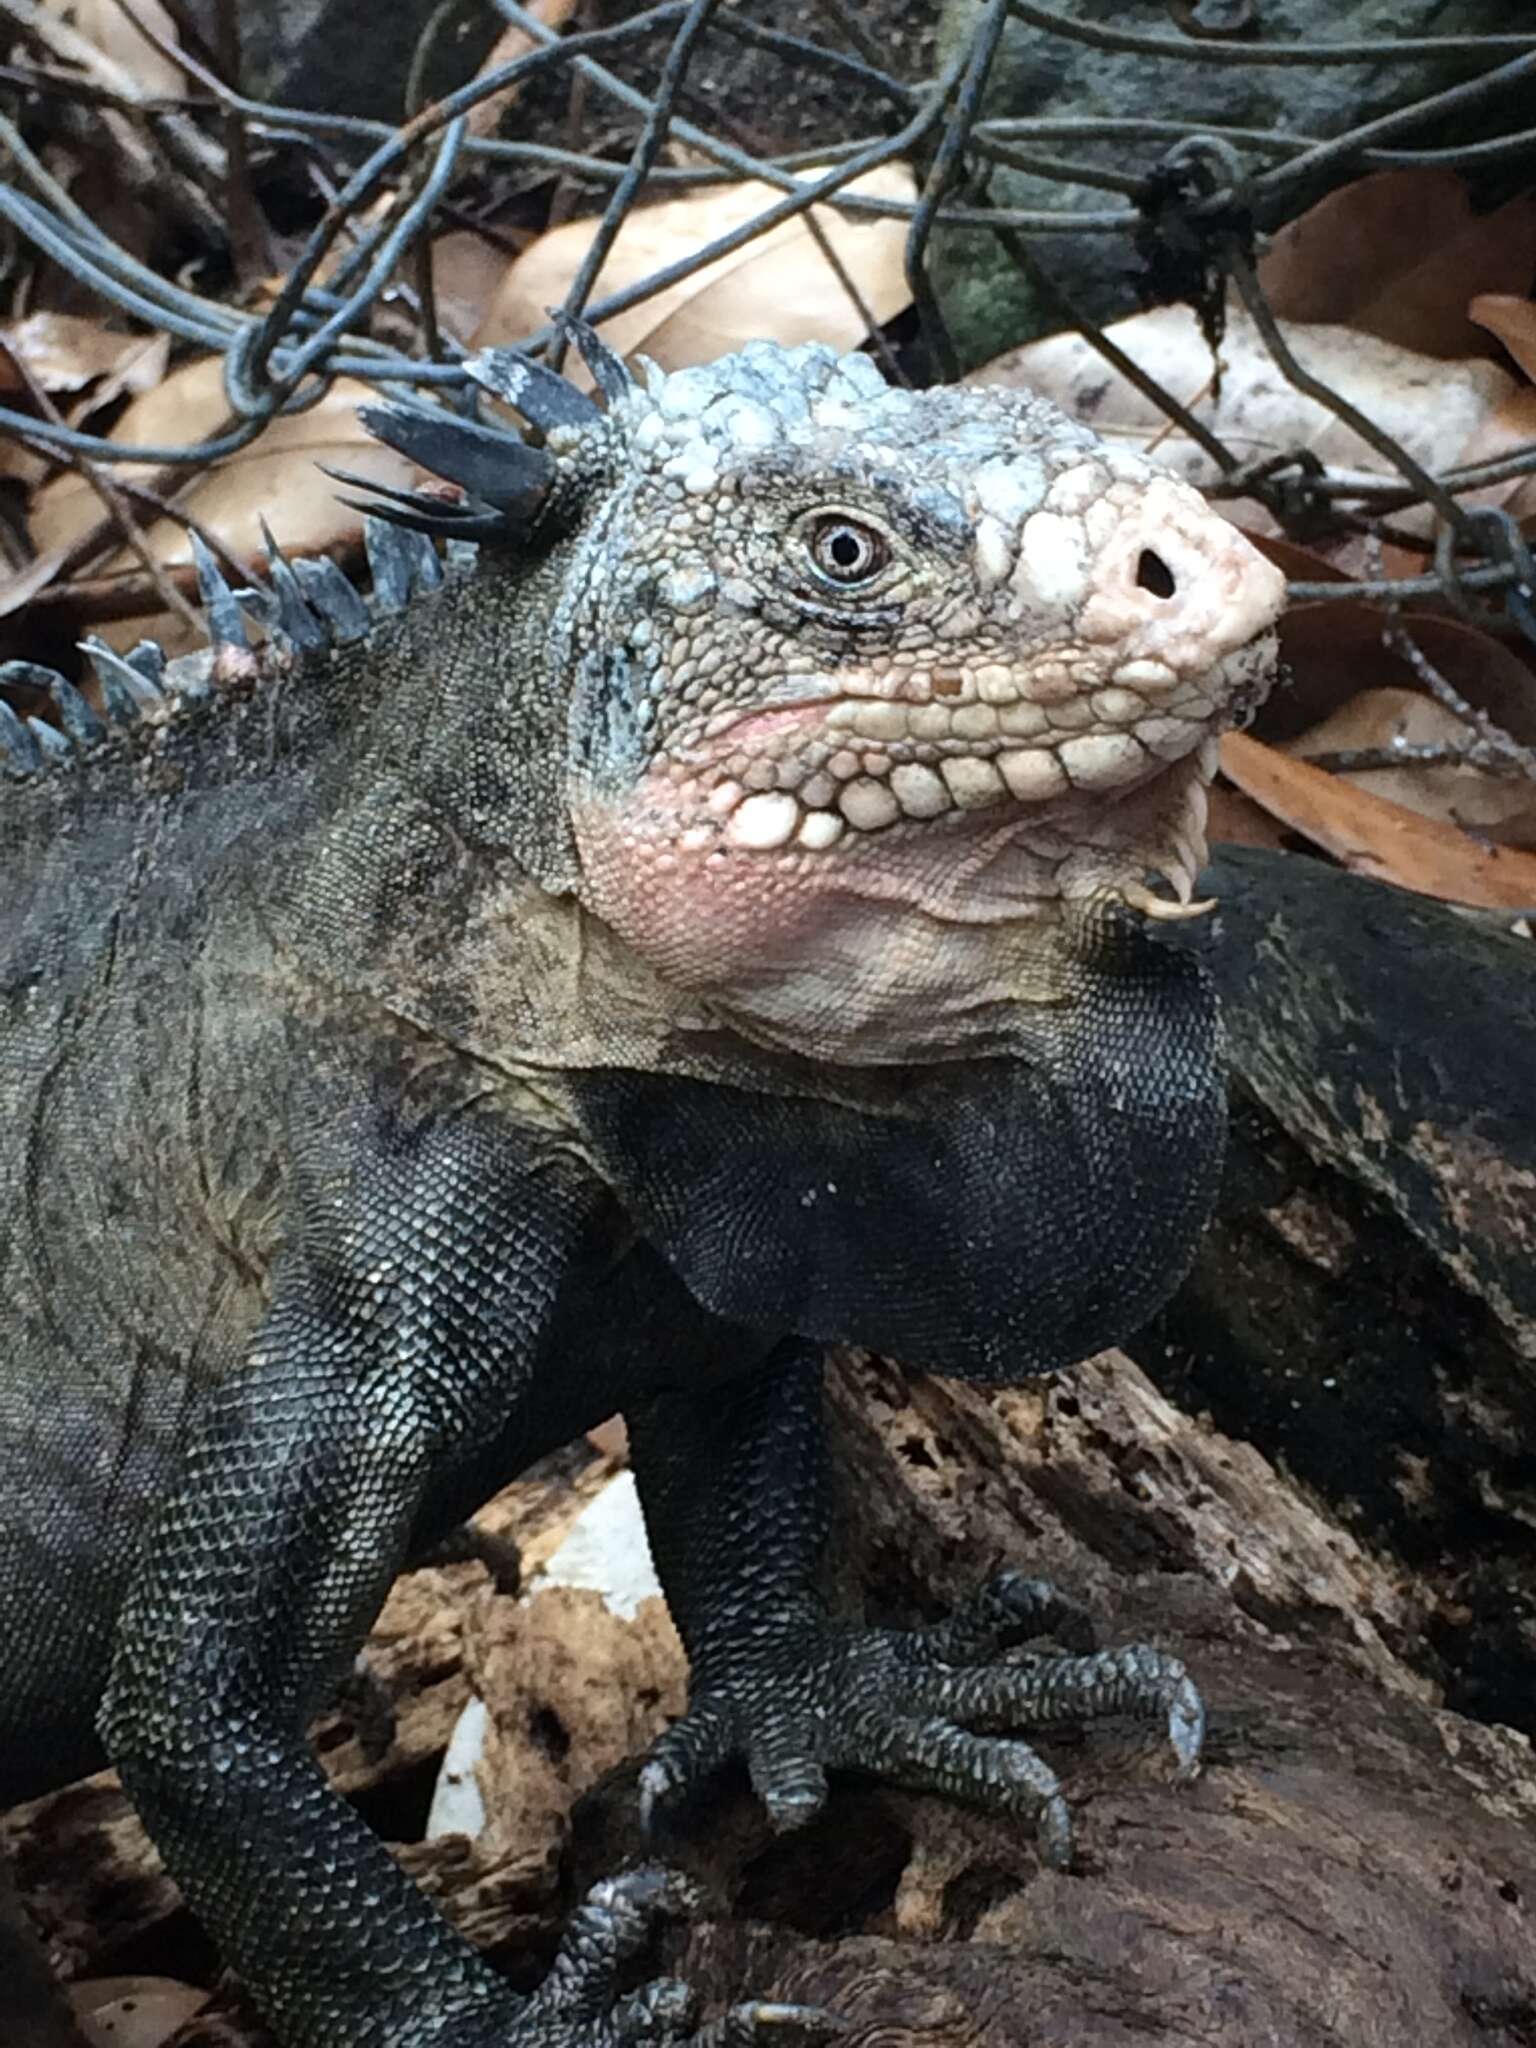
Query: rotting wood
x=1364, y=1307
x=1355, y=1866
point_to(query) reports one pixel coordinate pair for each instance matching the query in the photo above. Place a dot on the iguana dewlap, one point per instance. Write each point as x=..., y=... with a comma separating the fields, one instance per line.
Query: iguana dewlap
x=720, y=918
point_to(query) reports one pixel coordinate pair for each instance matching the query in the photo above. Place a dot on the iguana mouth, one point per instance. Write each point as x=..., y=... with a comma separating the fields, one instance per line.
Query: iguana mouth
x=806, y=774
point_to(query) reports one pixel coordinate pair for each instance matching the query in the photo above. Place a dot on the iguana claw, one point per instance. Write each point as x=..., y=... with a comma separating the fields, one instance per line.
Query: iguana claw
x=1166, y=909
x=611, y=1928
x=906, y=1705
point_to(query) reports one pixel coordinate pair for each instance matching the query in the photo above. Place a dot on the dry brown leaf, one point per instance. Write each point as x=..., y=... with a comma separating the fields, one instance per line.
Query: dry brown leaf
x=140, y=370
x=187, y=406
x=1398, y=254
x=64, y=352
x=134, y=2012
x=1333, y=650
x=1236, y=820
x=1501, y=807
x=1510, y=429
x=1395, y=560
x=1301, y=564
x=276, y=476
x=1432, y=408
x=1373, y=837
x=467, y=273
x=779, y=287
x=1513, y=320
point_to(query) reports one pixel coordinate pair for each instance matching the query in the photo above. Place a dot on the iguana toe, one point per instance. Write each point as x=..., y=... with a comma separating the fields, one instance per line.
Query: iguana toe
x=575, y=2006
x=924, y=1708
x=1007, y=1609
x=611, y=1927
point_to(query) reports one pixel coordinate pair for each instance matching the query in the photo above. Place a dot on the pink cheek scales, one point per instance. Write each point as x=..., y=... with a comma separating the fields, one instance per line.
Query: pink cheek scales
x=703, y=912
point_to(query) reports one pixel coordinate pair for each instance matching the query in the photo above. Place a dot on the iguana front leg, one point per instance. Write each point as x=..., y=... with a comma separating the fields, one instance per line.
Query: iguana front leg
x=734, y=1487
x=403, y=1334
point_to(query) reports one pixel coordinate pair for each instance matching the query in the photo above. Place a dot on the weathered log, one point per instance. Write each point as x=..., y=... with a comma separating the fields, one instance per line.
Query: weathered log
x=1355, y=1866
x=1364, y=1308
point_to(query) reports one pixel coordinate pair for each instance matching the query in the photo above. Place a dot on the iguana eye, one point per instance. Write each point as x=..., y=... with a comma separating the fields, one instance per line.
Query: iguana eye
x=847, y=552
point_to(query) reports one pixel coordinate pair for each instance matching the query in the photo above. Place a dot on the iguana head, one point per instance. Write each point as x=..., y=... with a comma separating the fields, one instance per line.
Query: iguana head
x=869, y=689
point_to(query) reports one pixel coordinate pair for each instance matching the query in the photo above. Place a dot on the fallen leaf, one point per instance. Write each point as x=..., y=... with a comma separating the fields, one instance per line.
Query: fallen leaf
x=467, y=273
x=1397, y=255
x=1236, y=820
x=276, y=476
x=1399, y=561
x=134, y=2012
x=1510, y=429
x=1301, y=564
x=1333, y=649
x=140, y=370
x=1513, y=320
x=64, y=351
x=779, y=287
x=1431, y=408
x=1499, y=806
x=1373, y=837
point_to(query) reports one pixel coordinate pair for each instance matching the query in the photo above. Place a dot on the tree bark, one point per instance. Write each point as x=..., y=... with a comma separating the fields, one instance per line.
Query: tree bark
x=1356, y=1864
x=1364, y=1307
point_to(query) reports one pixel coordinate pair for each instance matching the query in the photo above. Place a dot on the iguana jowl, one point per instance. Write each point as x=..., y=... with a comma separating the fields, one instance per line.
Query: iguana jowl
x=716, y=922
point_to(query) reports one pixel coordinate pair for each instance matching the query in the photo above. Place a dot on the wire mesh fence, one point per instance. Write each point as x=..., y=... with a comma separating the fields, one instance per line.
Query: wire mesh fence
x=1181, y=200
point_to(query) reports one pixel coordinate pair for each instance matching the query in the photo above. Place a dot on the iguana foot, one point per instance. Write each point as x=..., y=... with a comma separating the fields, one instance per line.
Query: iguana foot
x=575, y=2006
x=905, y=1704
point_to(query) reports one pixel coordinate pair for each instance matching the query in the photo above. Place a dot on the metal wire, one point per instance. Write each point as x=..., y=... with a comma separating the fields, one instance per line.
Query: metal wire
x=286, y=357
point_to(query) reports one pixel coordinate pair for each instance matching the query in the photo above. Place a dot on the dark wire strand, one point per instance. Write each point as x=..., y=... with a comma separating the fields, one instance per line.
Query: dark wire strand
x=314, y=332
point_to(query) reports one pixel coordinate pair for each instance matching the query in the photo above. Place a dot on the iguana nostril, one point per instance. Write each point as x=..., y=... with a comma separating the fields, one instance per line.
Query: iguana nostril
x=1154, y=574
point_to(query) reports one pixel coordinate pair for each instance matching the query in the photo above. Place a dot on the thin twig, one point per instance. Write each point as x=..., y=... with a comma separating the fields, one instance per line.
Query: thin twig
x=115, y=504
x=1471, y=752
x=247, y=229
x=1396, y=636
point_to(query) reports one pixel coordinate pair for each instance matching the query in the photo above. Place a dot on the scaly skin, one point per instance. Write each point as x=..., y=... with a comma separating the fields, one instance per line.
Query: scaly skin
x=918, y=770
x=722, y=921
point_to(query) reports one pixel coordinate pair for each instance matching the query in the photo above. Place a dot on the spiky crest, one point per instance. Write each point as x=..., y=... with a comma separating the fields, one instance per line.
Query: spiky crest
x=308, y=608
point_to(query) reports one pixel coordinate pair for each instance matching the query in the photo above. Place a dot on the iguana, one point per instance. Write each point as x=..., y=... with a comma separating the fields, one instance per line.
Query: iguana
x=719, y=919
